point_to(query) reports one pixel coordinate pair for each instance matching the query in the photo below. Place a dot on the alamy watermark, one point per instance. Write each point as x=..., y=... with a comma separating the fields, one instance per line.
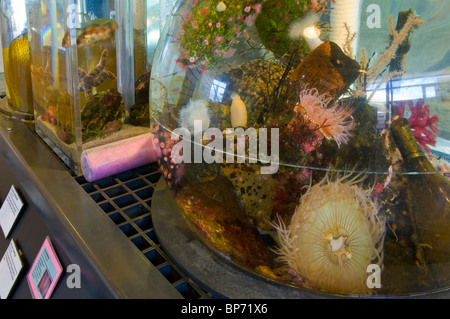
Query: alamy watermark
x=374, y=18
x=374, y=278
x=74, y=279
x=213, y=152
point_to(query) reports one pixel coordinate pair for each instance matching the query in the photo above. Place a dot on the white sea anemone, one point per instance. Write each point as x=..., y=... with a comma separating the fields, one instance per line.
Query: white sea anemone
x=334, y=235
x=334, y=122
x=195, y=110
x=305, y=27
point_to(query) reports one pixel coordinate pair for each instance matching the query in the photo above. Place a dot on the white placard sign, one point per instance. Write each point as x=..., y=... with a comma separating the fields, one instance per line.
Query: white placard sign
x=10, y=211
x=10, y=267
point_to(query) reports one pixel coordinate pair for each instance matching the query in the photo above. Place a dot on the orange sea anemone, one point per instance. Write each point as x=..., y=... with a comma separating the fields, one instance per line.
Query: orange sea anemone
x=334, y=235
x=334, y=121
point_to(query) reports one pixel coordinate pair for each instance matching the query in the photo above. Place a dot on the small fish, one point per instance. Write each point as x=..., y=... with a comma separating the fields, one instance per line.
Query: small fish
x=94, y=34
x=96, y=30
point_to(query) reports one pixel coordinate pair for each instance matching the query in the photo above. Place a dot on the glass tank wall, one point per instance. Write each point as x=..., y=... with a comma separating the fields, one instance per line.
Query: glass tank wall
x=308, y=141
x=90, y=67
x=16, y=60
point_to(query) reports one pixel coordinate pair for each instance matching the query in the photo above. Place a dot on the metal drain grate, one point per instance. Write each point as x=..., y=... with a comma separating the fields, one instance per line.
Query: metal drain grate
x=126, y=198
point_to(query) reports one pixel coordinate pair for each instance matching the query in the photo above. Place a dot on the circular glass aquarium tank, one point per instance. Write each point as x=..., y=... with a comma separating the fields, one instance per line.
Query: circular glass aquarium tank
x=306, y=141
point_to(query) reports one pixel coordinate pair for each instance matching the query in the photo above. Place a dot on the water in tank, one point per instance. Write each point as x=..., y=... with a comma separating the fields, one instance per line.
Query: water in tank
x=90, y=70
x=307, y=141
x=16, y=60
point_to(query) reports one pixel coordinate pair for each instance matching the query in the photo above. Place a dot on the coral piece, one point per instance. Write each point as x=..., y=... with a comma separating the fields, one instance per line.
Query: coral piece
x=96, y=76
x=422, y=125
x=334, y=121
x=397, y=63
x=370, y=74
x=347, y=46
x=102, y=115
x=335, y=233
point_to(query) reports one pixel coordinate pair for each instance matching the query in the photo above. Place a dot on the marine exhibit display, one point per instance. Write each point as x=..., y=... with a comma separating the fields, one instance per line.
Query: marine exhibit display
x=90, y=71
x=16, y=60
x=307, y=141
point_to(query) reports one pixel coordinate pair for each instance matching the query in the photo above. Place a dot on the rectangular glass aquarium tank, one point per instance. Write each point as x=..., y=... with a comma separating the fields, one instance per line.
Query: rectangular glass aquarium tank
x=16, y=60
x=308, y=141
x=90, y=71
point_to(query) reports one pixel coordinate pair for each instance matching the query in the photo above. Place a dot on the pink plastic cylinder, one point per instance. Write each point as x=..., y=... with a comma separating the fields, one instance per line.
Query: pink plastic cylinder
x=117, y=157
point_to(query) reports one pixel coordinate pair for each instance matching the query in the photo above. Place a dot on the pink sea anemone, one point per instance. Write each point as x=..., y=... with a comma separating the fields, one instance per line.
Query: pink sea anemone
x=334, y=121
x=422, y=125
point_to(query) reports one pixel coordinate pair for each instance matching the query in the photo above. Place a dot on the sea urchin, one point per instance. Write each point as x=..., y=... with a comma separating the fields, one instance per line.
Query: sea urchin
x=334, y=235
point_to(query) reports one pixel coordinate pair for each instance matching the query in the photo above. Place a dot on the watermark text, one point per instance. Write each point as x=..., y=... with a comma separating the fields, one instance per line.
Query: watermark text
x=235, y=140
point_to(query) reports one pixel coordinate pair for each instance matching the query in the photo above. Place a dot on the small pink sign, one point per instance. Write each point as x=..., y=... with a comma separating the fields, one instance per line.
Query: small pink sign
x=45, y=272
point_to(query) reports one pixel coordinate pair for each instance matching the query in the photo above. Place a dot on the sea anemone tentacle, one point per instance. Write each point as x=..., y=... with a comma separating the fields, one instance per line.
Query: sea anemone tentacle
x=195, y=110
x=334, y=120
x=334, y=235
